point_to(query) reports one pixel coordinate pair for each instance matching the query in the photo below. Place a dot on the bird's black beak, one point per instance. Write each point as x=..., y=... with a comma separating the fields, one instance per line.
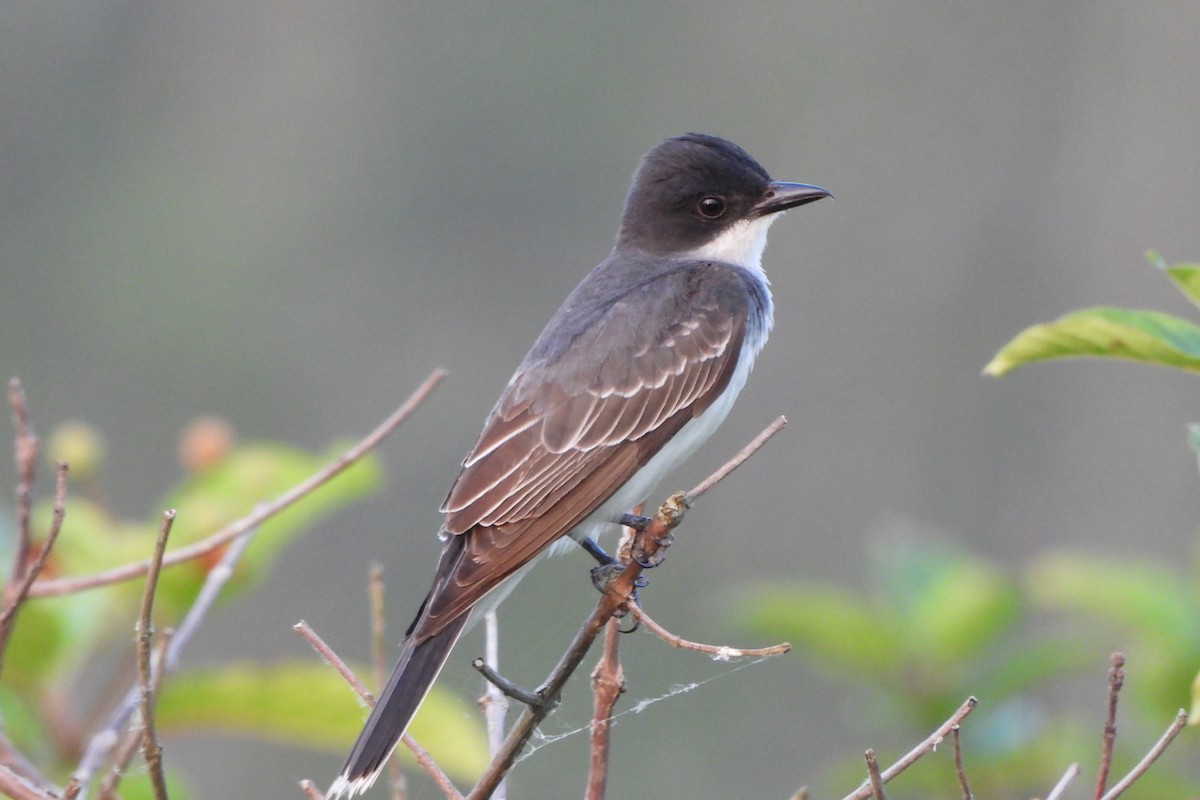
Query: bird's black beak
x=781, y=196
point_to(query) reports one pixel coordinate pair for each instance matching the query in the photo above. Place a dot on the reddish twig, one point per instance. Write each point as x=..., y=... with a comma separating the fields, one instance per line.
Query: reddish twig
x=1157, y=750
x=873, y=776
x=378, y=636
x=419, y=753
x=1057, y=792
x=608, y=684
x=864, y=791
x=25, y=453
x=123, y=754
x=654, y=537
x=17, y=590
x=334, y=660
x=717, y=651
x=958, y=764
x=18, y=788
x=50, y=588
x=151, y=749
x=1116, y=679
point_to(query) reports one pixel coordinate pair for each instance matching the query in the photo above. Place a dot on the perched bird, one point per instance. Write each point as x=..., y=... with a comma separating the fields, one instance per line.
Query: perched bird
x=637, y=368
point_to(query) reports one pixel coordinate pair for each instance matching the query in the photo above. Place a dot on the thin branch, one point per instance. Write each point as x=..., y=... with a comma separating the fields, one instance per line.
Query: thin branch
x=17, y=590
x=124, y=752
x=25, y=453
x=1159, y=747
x=873, y=776
x=378, y=636
x=151, y=749
x=742, y=456
x=50, y=588
x=493, y=702
x=717, y=651
x=15, y=786
x=864, y=791
x=13, y=759
x=958, y=765
x=419, y=753
x=334, y=660
x=505, y=687
x=1057, y=792
x=617, y=592
x=1116, y=679
x=608, y=684
x=102, y=742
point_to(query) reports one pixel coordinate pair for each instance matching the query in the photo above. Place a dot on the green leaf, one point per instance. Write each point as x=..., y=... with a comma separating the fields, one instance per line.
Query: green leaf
x=964, y=608
x=1147, y=599
x=832, y=623
x=1146, y=336
x=308, y=704
x=1185, y=276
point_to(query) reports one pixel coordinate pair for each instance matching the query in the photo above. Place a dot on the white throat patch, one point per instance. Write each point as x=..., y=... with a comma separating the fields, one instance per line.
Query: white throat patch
x=741, y=245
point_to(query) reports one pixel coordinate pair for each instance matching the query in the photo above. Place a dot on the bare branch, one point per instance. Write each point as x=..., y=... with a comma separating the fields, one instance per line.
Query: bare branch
x=1159, y=747
x=1063, y=782
x=25, y=453
x=655, y=536
x=1116, y=679
x=17, y=590
x=958, y=765
x=102, y=742
x=18, y=788
x=151, y=749
x=493, y=702
x=608, y=684
x=334, y=660
x=717, y=651
x=419, y=753
x=864, y=791
x=742, y=456
x=873, y=776
x=50, y=588
x=378, y=635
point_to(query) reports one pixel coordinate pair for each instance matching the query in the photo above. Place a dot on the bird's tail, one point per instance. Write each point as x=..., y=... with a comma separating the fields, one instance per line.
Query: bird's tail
x=416, y=671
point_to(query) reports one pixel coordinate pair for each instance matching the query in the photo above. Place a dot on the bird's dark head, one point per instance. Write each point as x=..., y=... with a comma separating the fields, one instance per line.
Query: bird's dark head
x=705, y=196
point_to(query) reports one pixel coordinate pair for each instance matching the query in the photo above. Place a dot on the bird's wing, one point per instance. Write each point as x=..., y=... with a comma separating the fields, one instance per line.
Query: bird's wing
x=570, y=429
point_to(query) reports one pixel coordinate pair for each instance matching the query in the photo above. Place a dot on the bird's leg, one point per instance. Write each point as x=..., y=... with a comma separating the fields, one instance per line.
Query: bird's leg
x=596, y=551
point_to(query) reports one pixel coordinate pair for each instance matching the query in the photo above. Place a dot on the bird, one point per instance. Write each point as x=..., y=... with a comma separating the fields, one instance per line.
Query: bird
x=640, y=364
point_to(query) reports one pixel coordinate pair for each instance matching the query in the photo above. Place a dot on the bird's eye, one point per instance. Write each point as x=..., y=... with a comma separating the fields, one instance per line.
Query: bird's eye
x=711, y=207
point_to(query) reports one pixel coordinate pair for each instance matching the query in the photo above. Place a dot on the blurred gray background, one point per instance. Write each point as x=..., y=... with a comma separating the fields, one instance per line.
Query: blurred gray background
x=286, y=214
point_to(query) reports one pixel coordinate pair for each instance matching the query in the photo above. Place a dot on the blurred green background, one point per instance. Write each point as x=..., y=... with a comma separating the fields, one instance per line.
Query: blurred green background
x=286, y=214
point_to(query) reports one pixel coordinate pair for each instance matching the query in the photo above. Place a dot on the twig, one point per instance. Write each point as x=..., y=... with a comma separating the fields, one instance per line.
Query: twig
x=958, y=764
x=742, y=456
x=493, y=702
x=1063, y=782
x=873, y=776
x=334, y=660
x=310, y=790
x=18, y=589
x=102, y=742
x=719, y=652
x=864, y=791
x=17, y=787
x=25, y=453
x=50, y=588
x=1116, y=679
x=615, y=597
x=608, y=683
x=505, y=687
x=378, y=635
x=151, y=749
x=1161, y=745
x=125, y=751
x=419, y=753
x=15, y=760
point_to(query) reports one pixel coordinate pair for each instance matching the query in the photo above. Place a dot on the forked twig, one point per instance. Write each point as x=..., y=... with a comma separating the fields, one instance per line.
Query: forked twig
x=49, y=588
x=493, y=701
x=1116, y=679
x=608, y=684
x=652, y=538
x=718, y=651
x=873, y=776
x=151, y=749
x=864, y=791
x=958, y=765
